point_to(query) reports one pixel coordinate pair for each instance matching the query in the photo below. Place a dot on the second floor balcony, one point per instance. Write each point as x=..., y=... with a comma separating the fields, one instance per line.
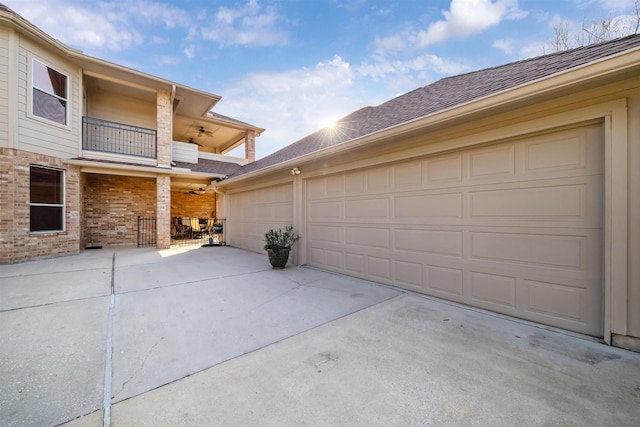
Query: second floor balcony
x=118, y=138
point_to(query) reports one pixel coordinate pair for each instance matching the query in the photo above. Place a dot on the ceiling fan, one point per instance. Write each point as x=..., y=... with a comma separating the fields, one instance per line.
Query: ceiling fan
x=192, y=141
x=203, y=131
x=199, y=192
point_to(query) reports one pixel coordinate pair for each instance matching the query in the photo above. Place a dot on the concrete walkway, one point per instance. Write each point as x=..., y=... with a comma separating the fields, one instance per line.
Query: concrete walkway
x=214, y=336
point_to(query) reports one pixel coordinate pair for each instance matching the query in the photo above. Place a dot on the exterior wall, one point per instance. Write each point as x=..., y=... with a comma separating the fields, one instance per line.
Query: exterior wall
x=163, y=210
x=112, y=205
x=37, y=135
x=184, y=152
x=634, y=216
x=203, y=206
x=4, y=87
x=17, y=243
x=255, y=211
x=121, y=109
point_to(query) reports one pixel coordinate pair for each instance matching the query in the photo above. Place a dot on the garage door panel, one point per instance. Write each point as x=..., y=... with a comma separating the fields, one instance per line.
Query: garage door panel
x=354, y=183
x=445, y=279
x=513, y=227
x=325, y=233
x=409, y=274
x=407, y=174
x=379, y=267
x=256, y=211
x=378, y=179
x=566, y=151
x=367, y=237
x=493, y=288
x=367, y=208
x=354, y=263
x=545, y=202
x=427, y=206
x=429, y=241
x=491, y=162
x=324, y=210
x=534, y=249
x=554, y=299
x=442, y=170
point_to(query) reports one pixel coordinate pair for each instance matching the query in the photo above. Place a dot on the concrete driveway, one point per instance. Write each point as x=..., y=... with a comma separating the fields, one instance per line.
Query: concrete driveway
x=214, y=336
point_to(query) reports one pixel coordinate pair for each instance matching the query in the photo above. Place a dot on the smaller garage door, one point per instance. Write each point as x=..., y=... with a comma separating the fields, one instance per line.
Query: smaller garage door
x=256, y=211
x=513, y=227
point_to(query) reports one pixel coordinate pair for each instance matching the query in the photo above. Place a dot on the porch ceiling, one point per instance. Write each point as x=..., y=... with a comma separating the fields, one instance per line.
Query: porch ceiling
x=192, y=183
x=216, y=138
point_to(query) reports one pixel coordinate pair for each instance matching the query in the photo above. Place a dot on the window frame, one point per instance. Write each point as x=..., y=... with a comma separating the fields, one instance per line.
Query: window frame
x=62, y=205
x=33, y=87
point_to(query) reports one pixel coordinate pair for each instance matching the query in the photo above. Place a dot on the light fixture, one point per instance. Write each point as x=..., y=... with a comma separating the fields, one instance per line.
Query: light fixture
x=295, y=171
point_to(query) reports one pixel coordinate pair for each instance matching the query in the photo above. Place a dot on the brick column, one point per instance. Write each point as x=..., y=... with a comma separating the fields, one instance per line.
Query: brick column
x=250, y=145
x=163, y=212
x=165, y=127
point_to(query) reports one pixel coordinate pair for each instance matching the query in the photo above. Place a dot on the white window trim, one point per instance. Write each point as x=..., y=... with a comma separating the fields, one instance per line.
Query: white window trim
x=30, y=112
x=63, y=205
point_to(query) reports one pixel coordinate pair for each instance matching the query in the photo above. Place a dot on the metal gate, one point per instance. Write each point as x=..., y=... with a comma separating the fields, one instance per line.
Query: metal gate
x=192, y=231
x=146, y=231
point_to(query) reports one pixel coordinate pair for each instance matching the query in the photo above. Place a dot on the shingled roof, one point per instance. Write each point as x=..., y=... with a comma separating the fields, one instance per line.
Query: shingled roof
x=444, y=94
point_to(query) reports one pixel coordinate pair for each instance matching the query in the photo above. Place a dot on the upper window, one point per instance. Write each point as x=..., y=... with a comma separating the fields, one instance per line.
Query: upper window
x=50, y=93
x=46, y=199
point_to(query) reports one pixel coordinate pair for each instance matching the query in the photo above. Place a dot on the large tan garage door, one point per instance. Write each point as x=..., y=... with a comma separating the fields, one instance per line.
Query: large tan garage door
x=514, y=227
x=254, y=212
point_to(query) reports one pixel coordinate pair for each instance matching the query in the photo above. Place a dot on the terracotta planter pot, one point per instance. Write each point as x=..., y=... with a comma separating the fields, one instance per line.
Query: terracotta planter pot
x=278, y=257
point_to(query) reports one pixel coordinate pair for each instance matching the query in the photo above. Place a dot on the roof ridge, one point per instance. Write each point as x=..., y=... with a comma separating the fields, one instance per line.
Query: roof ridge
x=566, y=52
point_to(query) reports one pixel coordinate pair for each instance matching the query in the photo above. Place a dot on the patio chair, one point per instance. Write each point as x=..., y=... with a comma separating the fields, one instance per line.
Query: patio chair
x=183, y=226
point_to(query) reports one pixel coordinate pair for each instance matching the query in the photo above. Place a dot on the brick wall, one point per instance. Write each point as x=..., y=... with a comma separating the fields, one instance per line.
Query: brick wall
x=17, y=243
x=112, y=205
x=189, y=205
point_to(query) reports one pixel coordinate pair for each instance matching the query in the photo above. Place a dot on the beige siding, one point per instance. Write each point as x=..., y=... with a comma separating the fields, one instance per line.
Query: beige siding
x=36, y=135
x=256, y=211
x=121, y=109
x=514, y=227
x=4, y=88
x=184, y=152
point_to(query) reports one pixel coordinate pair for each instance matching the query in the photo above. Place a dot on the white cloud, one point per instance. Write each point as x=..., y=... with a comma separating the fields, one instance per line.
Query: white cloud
x=463, y=19
x=247, y=25
x=504, y=45
x=305, y=99
x=190, y=51
x=112, y=26
x=382, y=68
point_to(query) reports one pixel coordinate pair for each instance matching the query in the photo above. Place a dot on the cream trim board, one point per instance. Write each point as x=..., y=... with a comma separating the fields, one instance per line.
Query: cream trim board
x=615, y=236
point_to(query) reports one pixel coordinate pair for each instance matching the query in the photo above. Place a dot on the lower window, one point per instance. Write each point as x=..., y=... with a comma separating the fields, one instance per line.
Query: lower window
x=46, y=199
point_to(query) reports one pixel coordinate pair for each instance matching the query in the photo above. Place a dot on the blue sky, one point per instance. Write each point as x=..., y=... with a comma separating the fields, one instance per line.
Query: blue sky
x=293, y=66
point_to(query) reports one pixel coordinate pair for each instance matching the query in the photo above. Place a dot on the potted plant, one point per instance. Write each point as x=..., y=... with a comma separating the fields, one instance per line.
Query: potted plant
x=278, y=244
